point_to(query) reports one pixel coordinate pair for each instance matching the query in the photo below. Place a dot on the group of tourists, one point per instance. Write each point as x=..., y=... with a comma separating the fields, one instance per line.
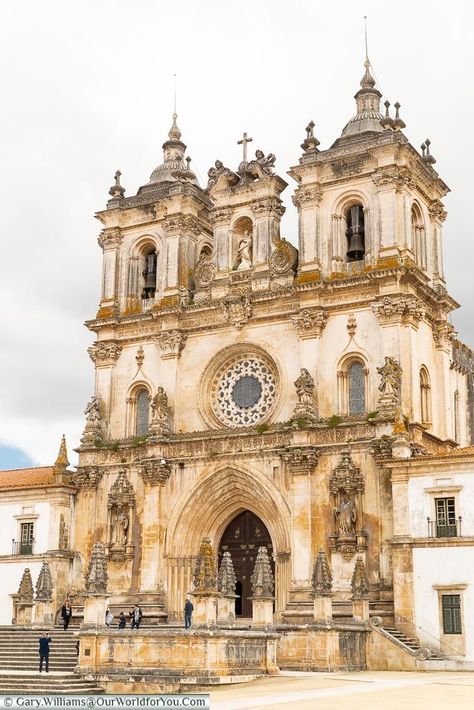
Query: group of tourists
x=135, y=620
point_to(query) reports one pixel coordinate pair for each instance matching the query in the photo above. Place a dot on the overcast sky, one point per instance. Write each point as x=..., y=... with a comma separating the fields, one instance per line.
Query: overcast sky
x=87, y=87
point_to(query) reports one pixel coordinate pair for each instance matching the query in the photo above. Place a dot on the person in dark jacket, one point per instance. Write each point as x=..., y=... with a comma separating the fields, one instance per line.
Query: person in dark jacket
x=122, y=621
x=136, y=615
x=188, y=613
x=66, y=613
x=44, y=652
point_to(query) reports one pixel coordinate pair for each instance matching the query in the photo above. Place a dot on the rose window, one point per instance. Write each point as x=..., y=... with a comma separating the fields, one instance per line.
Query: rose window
x=244, y=391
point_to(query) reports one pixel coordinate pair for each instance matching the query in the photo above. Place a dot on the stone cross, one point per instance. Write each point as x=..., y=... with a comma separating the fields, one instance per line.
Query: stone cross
x=244, y=142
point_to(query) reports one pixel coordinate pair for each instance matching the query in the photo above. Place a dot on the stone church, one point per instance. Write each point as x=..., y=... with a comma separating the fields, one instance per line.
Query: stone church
x=253, y=393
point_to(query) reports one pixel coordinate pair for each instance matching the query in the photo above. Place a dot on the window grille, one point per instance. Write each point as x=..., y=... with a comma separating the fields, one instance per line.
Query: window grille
x=143, y=413
x=356, y=388
x=445, y=517
x=451, y=607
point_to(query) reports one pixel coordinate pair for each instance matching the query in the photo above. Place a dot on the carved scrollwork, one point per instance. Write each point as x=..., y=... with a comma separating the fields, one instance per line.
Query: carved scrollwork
x=88, y=477
x=310, y=324
x=283, y=259
x=307, y=196
x=104, y=353
x=205, y=272
x=171, y=343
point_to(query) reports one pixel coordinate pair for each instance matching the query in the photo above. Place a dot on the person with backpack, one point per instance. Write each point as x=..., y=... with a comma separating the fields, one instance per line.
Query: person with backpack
x=43, y=650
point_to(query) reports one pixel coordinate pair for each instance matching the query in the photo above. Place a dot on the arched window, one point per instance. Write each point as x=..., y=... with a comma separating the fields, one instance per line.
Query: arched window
x=418, y=236
x=425, y=396
x=149, y=274
x=142, y=413
x=355, y=233
x=352, y=387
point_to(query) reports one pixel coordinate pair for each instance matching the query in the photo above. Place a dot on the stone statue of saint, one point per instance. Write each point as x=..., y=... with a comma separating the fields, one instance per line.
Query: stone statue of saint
x=391, y=374
x=159, y=405
x=346, y=514
x=305, y=387
x=92, y=412
x=120, y=528
x=244, y=252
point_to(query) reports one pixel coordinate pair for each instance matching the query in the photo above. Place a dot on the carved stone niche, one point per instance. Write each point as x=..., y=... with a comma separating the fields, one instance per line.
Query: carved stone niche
x=120, y=519
x=346, y=487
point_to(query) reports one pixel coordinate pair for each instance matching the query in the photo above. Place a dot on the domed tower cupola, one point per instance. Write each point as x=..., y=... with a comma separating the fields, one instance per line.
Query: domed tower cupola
x=368, y=116
x=174, y=165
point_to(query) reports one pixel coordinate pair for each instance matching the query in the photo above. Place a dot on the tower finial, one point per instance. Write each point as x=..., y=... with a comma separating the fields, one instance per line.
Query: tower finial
x=365, y=36
x=174, y=104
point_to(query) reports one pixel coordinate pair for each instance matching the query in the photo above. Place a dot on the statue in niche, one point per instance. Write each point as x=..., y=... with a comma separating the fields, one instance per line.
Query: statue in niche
x=305, y=387
x=391, y=374
x=160, y=413
x=244, y=252
x=92, y=412
x=120, y=525
x=346, y=514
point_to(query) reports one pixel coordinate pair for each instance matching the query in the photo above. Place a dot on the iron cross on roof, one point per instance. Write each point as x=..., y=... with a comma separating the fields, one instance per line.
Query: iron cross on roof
x=244, y=142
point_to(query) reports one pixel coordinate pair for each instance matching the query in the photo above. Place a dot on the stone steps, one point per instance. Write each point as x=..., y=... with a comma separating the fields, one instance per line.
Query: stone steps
x=19, y=659
x=409, y=641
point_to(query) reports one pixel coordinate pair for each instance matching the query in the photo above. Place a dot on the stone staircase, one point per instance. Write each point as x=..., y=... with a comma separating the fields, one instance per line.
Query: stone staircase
x=19, y=660
x=412, y=643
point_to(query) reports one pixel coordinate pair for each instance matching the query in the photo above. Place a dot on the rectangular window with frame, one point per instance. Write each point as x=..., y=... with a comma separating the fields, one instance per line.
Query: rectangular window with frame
x=27, y=532
x=445, y=517
x=451, y=606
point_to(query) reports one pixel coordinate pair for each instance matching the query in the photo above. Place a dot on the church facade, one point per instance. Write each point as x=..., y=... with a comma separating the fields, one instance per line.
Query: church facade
x=257, y=394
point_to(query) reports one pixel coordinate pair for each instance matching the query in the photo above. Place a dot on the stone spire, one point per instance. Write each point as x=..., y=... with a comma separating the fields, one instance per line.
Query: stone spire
x=96, y=576
x=262, y=577
x=25, y=590
x=205, y=573
x=62, y=460
x=322, y=578
x=368, y=116
x=44, y=584
x=226, y=579
x=174, y=166
x=360, y=582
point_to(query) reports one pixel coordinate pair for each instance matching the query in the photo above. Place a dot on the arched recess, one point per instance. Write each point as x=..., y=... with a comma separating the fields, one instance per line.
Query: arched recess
x=135, y=424
x=242, y=235
x=340, y=213
x=353, y=385
x=145, y=266
x=425, y=396
x=207, y=510
x=418, y=235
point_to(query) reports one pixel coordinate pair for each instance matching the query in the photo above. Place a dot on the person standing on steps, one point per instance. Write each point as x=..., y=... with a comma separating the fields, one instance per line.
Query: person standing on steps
x=44, y=652
x=188, y=613
x=122, y=621
x=136, y=615
x=109, y=618
x=66, y=613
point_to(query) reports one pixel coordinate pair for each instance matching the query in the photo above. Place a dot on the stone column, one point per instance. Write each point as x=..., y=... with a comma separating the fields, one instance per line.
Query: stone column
x=307, y=199
x=155, y=473
x=110, y=241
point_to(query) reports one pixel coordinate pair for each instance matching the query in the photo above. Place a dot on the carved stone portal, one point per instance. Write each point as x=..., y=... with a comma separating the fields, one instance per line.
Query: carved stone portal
x=347, y=487
x=120, y=507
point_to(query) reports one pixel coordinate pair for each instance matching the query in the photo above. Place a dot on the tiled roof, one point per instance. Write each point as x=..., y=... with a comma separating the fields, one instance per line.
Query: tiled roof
x=27, y=477
x=464, y=451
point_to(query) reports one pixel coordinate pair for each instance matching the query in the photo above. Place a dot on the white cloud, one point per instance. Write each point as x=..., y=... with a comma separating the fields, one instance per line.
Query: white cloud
x=87, y=88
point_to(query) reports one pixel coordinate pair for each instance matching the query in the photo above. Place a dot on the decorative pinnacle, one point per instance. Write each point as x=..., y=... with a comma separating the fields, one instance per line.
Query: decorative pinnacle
x=174, y=132
x=423, y=151
x=430, y=159
x=367, y=81
x=387, y=121
x=62, y=460
x=322, y=578
x=117, y=191
x=398, y=123
x=310, y=142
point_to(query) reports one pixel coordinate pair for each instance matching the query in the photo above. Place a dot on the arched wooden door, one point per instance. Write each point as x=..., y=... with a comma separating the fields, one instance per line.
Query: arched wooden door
x=242, y=538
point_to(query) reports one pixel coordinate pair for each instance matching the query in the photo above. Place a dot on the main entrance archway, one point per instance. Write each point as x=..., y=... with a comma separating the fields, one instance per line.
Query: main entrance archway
x=242, y=538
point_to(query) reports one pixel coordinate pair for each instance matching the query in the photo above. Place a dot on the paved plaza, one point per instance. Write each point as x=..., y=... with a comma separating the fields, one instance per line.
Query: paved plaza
x=331, y=691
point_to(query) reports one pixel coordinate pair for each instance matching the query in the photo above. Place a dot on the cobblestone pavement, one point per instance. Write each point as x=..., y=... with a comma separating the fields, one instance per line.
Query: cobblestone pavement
x=369, y=690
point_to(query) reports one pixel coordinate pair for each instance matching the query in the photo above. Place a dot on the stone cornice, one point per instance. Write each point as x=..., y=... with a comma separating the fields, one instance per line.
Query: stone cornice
x=461, y=541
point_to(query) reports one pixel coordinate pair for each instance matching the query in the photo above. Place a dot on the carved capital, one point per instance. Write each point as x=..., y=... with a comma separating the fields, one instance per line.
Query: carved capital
x=171, y=343
x=443, y=334
x=310, y=324
x=436, y=211
x=104, y=353
x=88, y=477
x=155, y=471
x=307, y=196
x=407, y=310
x=394, y=177
x=110, y=238
x=266, y=207
x=220, y=217
x=174, y=224
x=301, y=460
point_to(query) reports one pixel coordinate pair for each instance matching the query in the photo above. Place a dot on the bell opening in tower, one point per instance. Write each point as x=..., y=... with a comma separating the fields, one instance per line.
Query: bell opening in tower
x=149, y=275
x=355, y=233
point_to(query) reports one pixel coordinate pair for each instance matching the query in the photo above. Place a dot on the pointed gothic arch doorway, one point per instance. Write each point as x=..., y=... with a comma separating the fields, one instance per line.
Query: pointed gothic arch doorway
x=242, y=538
